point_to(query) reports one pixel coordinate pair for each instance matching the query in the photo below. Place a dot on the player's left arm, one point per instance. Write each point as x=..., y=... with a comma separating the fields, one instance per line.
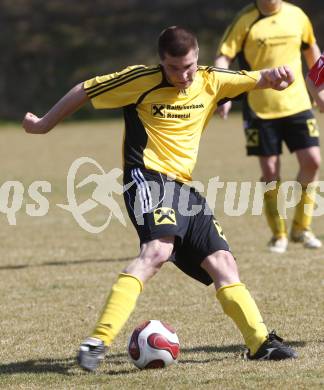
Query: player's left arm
x=311, y=55
x=317, y=93
x=232, y=84
x=276, y=78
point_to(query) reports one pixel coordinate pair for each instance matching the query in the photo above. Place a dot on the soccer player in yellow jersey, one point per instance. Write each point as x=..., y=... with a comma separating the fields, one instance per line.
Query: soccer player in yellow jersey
x=264, y=34
x=166, y=108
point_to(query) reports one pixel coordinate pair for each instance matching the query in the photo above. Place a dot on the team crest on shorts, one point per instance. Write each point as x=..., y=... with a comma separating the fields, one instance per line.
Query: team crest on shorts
x=252, y=137
x=219, y=229
x=313, y=127
x=164, y=216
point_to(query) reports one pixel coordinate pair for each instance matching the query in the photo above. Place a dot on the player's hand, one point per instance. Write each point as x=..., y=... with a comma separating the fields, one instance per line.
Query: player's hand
x=277, y=78
x=224, y=109
x=32, y=124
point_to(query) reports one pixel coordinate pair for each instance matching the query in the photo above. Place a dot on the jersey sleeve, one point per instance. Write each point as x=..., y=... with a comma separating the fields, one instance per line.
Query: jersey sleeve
x=232, y=40
x=118, y=89
x=231, y=84
x=308, y=37
x=235, y=35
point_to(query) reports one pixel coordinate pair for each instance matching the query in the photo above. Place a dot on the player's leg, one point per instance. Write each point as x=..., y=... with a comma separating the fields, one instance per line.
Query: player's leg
x=235, y=299
x=239, y=305
x=204, y=255
x=309, y=160
x=122, y=300
x=264, y=140
x=270, y=170
x=301, y=135
x=157, y=226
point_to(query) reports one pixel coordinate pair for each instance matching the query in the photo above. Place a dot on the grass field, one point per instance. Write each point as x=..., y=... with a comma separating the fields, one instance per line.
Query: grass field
x=55, y=277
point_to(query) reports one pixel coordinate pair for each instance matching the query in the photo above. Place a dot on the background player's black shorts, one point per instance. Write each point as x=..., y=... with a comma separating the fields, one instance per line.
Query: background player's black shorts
x=264, y=137
x=159, y=207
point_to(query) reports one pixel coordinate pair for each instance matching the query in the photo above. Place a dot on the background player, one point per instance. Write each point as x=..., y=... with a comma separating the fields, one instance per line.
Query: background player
x=261, y=36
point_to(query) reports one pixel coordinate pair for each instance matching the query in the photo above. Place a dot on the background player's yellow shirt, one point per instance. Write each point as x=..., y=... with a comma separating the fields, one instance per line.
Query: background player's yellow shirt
x=163, y=125
x=270, y=41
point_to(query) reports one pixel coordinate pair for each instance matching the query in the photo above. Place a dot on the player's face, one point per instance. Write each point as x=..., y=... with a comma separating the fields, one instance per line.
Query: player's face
x=180, y=71
x=269, y=5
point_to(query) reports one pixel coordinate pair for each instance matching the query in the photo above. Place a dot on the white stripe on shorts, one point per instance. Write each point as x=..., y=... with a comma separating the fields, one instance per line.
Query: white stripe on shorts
x=143, y=190
x=148, y=190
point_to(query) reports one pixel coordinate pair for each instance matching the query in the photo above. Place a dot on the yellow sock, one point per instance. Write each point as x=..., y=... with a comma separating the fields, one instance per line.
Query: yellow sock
x=275, y=221
x=238, y=304
x=302, y=220
x=119, y=306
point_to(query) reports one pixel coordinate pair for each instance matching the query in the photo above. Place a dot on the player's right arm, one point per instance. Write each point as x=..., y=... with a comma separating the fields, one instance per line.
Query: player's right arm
x=317, y=93
x=113, y=90
x=66, y=106
x=311, y=54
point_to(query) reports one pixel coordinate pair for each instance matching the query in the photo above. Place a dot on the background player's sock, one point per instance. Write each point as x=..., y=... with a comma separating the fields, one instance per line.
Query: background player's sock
x=302, y=220
x=275, y=221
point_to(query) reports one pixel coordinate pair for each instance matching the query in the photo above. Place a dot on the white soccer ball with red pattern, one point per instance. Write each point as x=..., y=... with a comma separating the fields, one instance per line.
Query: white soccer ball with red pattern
x=153, y=344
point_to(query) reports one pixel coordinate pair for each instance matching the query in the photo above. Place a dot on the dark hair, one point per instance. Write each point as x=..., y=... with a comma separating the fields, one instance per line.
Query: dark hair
x=176, y=41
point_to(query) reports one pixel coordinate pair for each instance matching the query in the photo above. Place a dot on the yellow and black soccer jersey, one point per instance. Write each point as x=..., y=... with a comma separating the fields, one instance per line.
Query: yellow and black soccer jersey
x=163, y=125
x=268, y=41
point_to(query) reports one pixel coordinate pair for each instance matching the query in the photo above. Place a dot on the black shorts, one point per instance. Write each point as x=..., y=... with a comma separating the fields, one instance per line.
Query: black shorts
x=264, y=137
x=160, y=207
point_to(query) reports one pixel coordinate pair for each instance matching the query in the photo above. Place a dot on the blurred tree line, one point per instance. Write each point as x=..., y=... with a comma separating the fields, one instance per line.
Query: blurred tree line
x=49, y=46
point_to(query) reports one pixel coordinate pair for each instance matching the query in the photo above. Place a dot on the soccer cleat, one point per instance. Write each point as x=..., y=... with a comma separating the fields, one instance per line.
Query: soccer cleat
x=307, y=238
x=278, y=245
x=91, y=353
x=272, y=349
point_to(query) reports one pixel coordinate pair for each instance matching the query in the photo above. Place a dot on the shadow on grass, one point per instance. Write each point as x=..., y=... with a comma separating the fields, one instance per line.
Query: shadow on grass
x=236, y=349
x=67, y=366
x=214, y=348
x=233, y=348
x=209, y=349
x=62, y=263
x=59, y=366
x=64, y=366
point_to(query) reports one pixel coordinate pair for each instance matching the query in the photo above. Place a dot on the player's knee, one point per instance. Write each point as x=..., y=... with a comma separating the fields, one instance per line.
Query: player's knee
x=156, y=253
x=148, y=263
x=220, y=261
x=153, y=255
x=155, y=259
x=312, y=164
x=270, y=167
x=222, y=268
